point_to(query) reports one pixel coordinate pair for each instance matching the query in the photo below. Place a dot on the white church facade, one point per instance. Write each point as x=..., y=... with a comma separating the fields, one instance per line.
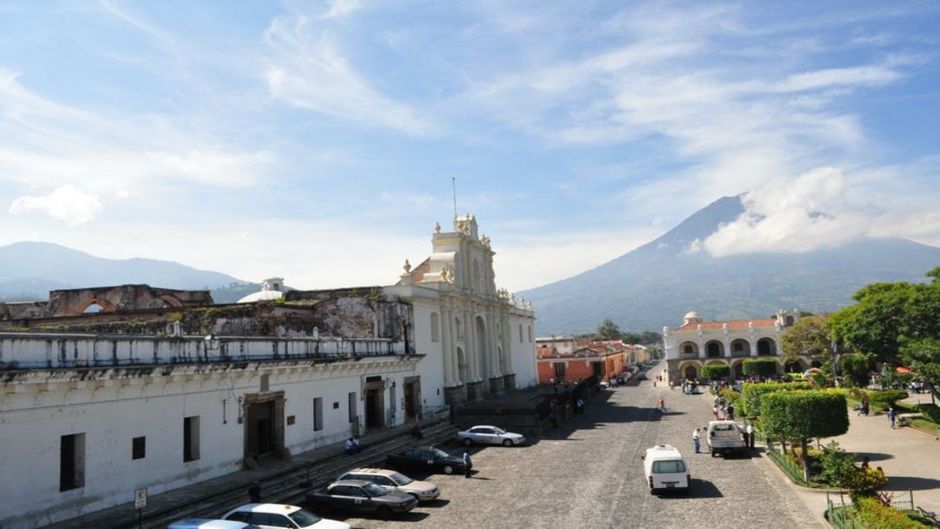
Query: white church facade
x=182, y=395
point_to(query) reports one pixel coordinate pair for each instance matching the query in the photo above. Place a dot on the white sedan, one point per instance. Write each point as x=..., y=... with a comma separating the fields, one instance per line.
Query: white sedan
x=490, y=435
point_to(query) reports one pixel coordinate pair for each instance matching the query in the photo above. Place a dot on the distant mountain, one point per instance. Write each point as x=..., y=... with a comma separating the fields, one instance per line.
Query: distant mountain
x=29, y=270
x=656, y=284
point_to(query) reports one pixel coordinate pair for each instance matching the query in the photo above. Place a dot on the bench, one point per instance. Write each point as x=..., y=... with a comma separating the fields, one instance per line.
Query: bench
x=905, y=419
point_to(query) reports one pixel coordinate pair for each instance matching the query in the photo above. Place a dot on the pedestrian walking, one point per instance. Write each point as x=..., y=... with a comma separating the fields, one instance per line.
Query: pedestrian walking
x=467, y=464
x=696, y=440
x=254, y=492
x=749, y=429
x=662, y=405
x=892, y=415
x=715, y=411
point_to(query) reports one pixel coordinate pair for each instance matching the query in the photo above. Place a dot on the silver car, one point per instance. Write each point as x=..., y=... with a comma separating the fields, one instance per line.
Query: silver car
x=490, y=435
x=395, y=481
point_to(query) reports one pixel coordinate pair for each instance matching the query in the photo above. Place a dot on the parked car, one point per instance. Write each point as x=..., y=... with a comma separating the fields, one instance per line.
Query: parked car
x=279, y=516
x=665, y=469
x=393, y=481
x=724, y=437
x=425, y=459
x=359, y=496
x=490, y=435
x=202, y=523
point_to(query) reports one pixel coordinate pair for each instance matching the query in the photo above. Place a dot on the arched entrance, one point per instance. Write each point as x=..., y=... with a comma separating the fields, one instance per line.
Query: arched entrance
x=714, y=349
x=737, y=369
x=483, y=365
x=690, y=372
x=689, y=349
x=766, y=346
x=740, y=347
x=462, y=365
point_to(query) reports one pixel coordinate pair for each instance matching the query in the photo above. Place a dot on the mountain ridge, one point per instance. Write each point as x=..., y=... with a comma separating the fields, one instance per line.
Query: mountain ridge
x=656, y=283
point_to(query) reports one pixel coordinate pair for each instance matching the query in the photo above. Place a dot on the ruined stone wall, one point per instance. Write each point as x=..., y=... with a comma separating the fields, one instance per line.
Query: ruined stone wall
x=123, y=298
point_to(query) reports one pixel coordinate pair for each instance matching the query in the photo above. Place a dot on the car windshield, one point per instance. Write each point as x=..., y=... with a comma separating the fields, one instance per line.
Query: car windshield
x=440, y=454
x=303, y=518
x=668, y=467
x=400, y=478
x=374, y=490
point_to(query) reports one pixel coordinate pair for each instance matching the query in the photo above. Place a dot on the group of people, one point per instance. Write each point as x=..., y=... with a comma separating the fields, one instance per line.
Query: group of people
x=722, y=411
x=747, y=432
x=353, y=445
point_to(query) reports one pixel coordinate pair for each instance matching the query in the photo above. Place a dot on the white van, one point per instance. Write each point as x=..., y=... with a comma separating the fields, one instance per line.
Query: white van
x=665, y=469
x=725, y=437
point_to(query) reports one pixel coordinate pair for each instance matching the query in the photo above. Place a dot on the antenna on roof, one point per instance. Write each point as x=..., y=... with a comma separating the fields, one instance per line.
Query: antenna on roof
x=453, y=181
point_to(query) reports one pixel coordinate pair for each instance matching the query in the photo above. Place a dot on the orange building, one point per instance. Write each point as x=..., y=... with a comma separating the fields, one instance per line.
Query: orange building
x=604, y=359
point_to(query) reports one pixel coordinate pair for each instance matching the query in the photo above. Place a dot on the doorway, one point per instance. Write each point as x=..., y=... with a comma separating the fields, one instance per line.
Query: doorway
x=412, y=397
x=375, y=403
x=264, y=426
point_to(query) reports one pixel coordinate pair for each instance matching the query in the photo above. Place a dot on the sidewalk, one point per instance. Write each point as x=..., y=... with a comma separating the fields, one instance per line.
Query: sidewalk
x=909, y=458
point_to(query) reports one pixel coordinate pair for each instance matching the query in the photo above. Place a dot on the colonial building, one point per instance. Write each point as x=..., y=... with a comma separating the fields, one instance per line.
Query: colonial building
x=569, y=360
x=484, y=338
x=697, y=343
x=107, y=390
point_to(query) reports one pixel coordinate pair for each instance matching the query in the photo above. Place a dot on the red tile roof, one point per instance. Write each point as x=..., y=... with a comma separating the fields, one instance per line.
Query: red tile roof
x=732, y=324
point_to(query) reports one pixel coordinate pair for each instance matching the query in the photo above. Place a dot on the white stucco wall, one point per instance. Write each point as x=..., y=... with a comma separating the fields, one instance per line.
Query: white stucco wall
x=113, y=407
x=523, y=351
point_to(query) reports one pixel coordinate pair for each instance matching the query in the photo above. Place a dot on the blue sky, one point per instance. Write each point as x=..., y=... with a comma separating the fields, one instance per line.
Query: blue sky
x=317, y=140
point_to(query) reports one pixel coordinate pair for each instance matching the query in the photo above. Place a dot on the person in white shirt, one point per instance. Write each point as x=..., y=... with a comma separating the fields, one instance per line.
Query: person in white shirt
x=696, y=440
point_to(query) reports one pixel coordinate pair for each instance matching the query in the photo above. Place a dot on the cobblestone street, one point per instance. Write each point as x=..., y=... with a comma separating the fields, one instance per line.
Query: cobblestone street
x=589, y=474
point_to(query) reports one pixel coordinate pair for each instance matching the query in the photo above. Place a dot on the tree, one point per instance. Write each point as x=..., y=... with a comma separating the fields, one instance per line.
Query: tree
x=802, y=415
x=751, y=394
x=760, y=367
x=855, y=368
x=608, y=330
x=716, y=371
x=808, y=336
x=923, y=357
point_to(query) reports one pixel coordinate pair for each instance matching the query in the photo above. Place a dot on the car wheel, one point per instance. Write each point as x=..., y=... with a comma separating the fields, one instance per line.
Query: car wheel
x=384, y=512
x=507, y=442
x=448, y=469
x=467, y=442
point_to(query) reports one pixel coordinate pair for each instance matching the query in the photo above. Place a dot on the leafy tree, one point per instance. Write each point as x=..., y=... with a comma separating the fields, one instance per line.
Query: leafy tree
x=835, y=465
x=855, y=369
x=802, y=415
x=760, y=367
x=808, y=336
x=642, y=338
x=751, y=395
x=716, y=371
x=923, y=357
x=608, y=330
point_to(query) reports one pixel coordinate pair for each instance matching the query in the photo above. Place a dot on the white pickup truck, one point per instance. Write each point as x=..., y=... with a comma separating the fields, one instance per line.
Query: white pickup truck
x=724, y=437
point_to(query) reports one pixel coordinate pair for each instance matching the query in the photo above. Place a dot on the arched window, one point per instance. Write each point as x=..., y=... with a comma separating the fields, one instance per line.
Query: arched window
x=435, y=327
x=93, y=308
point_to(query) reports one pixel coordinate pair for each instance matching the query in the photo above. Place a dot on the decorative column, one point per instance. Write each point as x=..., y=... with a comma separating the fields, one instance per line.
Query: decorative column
x=447, y=346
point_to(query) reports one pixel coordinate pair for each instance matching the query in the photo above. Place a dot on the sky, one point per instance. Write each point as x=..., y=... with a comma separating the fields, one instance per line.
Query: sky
x=318, y=140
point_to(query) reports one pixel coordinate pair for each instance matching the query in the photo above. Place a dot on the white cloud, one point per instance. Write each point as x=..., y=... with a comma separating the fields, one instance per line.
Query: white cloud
x=340, y=8
x=308, y=70
x=65, y=203
x=822, y=208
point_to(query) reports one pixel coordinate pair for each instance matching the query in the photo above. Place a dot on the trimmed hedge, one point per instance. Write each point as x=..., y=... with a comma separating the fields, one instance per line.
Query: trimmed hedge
x=760, y=367
x=751, y=394
x=930, y=412
x=716, y=371
x=800, y=415
x=873, y=514
x=885, y=398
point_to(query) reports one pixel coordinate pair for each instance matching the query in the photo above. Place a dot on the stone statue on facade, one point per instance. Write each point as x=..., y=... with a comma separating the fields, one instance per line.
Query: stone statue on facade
x=407, y=267
x=447, y=274
x=437, y=228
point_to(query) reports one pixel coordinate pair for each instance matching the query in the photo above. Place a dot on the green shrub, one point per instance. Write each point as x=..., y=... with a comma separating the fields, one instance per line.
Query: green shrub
x=760, y=367
x=885, y=398
x=835, y=465
x=855, y=368
x=731, y=396
x=930, y=412
x=716, y=371
x=864, y=483
x=751, y=394
x=872, y=513
x=799, y=415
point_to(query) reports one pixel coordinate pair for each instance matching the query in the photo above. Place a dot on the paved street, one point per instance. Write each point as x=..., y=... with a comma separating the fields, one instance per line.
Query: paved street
x=590, y=475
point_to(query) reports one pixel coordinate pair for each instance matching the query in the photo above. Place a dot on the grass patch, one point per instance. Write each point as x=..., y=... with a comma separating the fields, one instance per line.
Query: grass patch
x=926, y=426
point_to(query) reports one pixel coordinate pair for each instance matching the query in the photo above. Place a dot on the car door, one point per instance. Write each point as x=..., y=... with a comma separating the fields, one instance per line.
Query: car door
x=486, y=436
x=385, y=483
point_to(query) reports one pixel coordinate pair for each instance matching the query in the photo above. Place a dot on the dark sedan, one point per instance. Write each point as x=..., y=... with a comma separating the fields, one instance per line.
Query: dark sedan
x=426, y=459
x=361, y=497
